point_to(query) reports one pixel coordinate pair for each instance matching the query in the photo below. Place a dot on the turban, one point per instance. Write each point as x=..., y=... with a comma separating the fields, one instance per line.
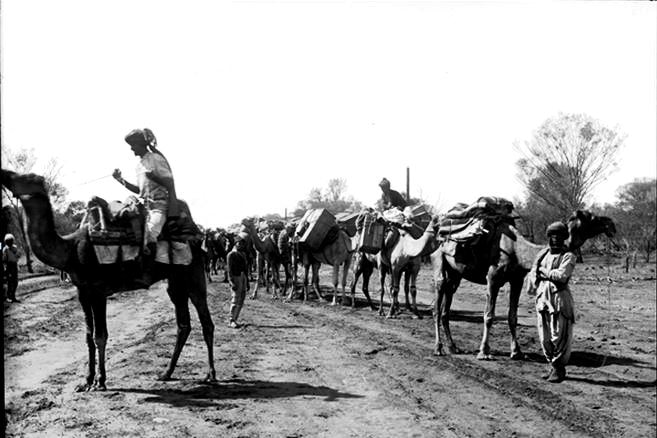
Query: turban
x=557, y=229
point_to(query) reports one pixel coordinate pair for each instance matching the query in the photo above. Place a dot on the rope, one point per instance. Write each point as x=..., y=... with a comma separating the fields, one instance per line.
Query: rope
x=93, y=180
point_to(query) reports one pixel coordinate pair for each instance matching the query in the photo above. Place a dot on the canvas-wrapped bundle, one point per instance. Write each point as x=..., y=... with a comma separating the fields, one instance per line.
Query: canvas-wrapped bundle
x=347, y=222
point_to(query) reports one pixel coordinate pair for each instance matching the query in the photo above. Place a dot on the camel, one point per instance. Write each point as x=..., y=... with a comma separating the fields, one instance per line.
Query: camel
x=337, y=253
x=95, y=282
x=501, y=255
x=268, y=250
x=215, y=246
x=403, y=254
x=364, y=264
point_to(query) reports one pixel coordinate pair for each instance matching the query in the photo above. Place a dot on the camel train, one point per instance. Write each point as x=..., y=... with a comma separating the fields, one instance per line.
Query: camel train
x=499, y=254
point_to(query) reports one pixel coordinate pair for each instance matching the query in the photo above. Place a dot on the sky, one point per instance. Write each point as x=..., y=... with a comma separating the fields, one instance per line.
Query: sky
x=254, y=103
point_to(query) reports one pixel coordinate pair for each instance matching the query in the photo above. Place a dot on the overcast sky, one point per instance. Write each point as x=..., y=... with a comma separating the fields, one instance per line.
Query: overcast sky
x=256, y=102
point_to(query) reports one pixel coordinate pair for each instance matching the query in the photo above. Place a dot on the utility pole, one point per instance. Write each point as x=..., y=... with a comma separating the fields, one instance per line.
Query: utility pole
x=408, y=184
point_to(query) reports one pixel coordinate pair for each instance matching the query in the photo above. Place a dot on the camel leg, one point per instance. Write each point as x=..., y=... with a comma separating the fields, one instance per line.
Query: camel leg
x=254, y=295
x=394, y=305
x=345, y=272
x=514, y=296
x=382, y=271
x=199, y=298
x=489, y=313
x=276, y=279
x=336, y=275
x=366, y=285
x=305, y=282
x=358, y=269
x=91, y=346
x=99, y=306
x=179, y=299
x=407, y=285
x=315, y=281
x=449, y=296
x=439, y=290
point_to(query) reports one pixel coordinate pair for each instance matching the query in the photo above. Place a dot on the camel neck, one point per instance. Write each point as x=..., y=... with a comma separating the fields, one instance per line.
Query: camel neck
x=46, y=244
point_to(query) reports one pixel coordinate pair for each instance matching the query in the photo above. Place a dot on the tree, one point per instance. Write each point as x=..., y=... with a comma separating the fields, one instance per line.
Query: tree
x=335, y=190
x=636, y=206
x=566, y=158
x=333, y=199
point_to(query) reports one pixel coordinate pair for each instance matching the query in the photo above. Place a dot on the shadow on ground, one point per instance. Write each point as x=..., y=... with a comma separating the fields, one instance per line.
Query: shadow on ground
x=595, y=360
x=206, y=394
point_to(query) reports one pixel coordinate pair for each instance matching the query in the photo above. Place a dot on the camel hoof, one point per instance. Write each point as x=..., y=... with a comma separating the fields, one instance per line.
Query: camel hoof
x=417, y=316
x=82, y=387
x=484, y=356
x=438, y=351
x=99, y=387
x=210, y=377
x=518, y=355
x=164, y=377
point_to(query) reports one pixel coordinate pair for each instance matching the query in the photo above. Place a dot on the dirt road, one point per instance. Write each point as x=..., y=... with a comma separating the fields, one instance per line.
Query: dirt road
x=314, y=370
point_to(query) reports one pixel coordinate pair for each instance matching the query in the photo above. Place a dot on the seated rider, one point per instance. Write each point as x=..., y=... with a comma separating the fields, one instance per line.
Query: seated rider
x=154, y=186
x=393, y=205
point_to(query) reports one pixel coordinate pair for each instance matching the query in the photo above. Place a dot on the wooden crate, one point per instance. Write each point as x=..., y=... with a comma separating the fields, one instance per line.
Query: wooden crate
x=320, y=222
x=371, y=238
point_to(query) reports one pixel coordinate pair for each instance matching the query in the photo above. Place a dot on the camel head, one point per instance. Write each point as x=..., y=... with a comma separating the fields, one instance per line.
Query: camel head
x=23, y=186
x=434, y=224
x=584, y=225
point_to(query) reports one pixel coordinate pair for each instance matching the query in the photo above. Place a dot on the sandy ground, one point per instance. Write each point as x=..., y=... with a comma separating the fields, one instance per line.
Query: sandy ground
x=311, y=369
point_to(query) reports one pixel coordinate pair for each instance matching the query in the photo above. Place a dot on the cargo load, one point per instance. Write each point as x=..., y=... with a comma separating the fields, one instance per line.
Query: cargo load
x=463, y=222
x=372, y=235
x=418, y=214
x=347, y=222
x=315, y=225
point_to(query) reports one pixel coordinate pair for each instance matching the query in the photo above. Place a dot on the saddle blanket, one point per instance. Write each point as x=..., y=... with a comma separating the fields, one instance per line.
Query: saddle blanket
x=177, y=253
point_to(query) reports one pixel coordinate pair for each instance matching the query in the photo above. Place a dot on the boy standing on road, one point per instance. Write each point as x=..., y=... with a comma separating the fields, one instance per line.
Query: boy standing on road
x=238, y=279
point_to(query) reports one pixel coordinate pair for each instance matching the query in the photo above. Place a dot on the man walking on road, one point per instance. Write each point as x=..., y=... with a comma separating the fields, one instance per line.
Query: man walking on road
x=237, y=278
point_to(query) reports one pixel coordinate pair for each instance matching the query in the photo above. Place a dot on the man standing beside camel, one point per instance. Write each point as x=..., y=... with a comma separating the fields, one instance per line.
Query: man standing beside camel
x=238, y=270
x=555, y=308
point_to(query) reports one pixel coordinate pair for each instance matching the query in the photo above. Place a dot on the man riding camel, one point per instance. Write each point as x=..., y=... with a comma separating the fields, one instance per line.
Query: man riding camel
x=154, y=186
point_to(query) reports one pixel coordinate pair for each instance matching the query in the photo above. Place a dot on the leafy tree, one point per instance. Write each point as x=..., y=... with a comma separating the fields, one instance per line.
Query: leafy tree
x=566, y=158
x=333, y=199
x=635, y=212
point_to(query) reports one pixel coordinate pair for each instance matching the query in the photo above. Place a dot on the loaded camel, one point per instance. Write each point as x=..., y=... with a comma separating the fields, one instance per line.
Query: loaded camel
x=501, y=255
x=95, y=282
x=336, y=252
x=268, y=250
x=364, y=264
x=403, y=254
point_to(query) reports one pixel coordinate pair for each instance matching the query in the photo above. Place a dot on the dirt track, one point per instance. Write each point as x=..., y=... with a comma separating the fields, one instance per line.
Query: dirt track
x=314, y=370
